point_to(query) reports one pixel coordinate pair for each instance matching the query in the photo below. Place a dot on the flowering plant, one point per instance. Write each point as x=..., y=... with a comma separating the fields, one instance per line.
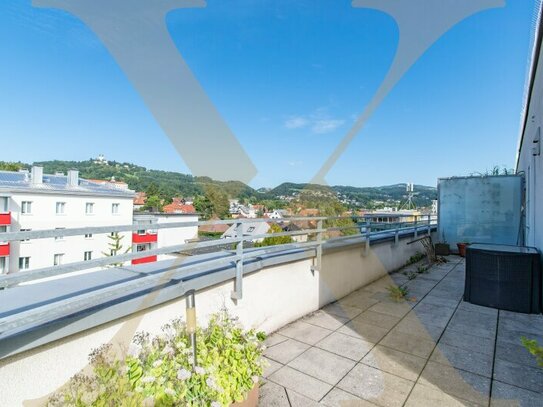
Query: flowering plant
x=159, y=371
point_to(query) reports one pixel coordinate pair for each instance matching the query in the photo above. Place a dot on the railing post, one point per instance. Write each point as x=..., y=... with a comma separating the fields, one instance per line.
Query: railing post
x=368, y=233
x=191, y=322
x=429, y=225
x=237, y=294
x=318, y=264
x=397, y=235
x=416, y=231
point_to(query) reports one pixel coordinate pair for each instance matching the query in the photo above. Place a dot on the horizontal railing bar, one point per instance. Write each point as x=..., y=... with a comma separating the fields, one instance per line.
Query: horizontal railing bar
x=12, y=279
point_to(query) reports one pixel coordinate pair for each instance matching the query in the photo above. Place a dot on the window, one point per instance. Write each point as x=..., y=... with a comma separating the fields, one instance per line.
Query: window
x=87, y=256
x=141, y=232
x=89, y=208
x=3, y=229
x=4, y=204
x=25, y=230
x=57, y=260
x=3, y=264
x=26, y=207
x=115, y=208
x=59, y=237
x=142, y=247
x=88, y=235
x=251, y=229
x=61, y=206
x=24, y=263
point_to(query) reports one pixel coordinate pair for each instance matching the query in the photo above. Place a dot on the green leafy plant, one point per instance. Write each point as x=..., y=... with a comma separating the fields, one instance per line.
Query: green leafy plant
x=158, y=371
x=274, y=240
x=415, y=258
x=398, y=293
x=422, y=269
x=534, y=348
x=411, y=275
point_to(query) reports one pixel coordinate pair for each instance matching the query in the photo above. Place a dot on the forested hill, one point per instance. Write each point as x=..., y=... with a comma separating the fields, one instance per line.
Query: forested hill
x=172, y=184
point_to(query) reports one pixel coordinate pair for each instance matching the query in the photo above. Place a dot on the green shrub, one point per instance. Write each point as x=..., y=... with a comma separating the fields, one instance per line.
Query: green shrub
x=158, y=371
x=398, y=293
x=411, y=275
x=422, y=269
x=534, y=348
x=415, y=258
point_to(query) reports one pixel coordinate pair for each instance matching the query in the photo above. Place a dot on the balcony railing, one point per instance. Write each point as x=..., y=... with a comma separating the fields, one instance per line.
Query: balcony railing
x=5, y=218
x=192, y=275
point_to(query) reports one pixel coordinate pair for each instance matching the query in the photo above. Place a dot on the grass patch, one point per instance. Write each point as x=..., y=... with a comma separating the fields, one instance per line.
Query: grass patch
x=397, y=293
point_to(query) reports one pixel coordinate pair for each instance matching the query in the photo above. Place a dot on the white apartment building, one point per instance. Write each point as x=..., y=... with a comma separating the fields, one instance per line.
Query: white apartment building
x=34, y=201
x=148, y=238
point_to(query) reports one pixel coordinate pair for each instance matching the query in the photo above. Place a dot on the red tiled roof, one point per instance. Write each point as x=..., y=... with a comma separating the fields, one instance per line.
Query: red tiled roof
x=178, y=207
x=140, y=198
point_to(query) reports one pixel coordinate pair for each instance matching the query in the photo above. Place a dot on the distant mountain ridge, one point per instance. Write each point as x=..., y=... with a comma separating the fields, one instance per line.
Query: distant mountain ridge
x=172, y=183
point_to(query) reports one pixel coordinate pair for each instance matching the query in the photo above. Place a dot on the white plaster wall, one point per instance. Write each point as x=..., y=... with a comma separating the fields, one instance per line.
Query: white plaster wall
x=531, y=165
x=273, y=297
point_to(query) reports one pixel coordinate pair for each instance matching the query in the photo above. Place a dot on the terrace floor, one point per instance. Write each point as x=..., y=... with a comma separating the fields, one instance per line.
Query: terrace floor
x=433, y=350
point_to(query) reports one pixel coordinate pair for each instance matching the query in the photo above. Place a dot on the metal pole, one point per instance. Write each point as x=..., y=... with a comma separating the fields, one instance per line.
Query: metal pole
x=319, y=248
x=429, y=225
x=368, y=232
x=237, y=294
x=416, y=231
x=191, y=322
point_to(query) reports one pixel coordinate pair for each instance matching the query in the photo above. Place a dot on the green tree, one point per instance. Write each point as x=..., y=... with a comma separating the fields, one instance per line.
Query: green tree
x=10, y=166
x=153, y=203
x=116, y=248
x=274, y=240
x=214, y=203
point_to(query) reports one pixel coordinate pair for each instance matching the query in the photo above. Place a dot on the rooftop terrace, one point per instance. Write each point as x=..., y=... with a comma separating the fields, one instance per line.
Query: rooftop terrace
x=432, y=350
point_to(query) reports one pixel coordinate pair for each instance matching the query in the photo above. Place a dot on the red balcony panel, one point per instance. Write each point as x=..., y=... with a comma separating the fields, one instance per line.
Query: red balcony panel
x=146, y=238
x=5, y=219
x=149, y=259
x=4, y=249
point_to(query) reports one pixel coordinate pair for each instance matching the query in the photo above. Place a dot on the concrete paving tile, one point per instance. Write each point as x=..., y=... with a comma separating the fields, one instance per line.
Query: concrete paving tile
x=466, y=306
x=272, y=395
x=272, y=367
x=428, y=318
x=362, y=330
x=444, y=302
x=274, y=339
x=424, y=396
x=506, y=334
x=284, y=352
x=393, y=308
x=474, y=323
x=465, y=359
x=458, y=383
x=346, y=346
x=325, y=320
x=411, y=344
x=323, y=365
x=344, y=311
x=470, y=342
x=519, y=375
x=301, y=383
x=376, y=386
x=443, y=293
x=358, y=299
x=340, y=398
x=297, y=400
x=376, y=318
x=515, y=353
x=505, y=395
x=416, y=327
x=521, y=322
x=397, y=363
x=304, y=332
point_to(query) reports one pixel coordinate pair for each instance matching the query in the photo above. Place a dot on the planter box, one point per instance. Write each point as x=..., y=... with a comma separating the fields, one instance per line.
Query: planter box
x=251, y=400
x=442, y=249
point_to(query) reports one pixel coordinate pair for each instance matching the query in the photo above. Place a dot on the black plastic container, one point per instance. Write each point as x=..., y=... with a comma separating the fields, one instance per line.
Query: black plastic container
x=503, y=277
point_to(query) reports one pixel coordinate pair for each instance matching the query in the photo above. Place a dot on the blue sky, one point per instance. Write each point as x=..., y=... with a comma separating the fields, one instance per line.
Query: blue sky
x=289, y=79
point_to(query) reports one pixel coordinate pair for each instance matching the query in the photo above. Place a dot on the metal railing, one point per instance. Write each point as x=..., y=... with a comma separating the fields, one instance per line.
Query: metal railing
x=317, y=229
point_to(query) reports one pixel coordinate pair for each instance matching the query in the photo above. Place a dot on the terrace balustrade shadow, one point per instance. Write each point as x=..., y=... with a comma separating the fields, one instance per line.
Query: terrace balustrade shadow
x=432, y=349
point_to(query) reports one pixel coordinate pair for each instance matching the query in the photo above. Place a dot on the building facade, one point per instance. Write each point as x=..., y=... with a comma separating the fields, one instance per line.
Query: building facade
x=36, y=201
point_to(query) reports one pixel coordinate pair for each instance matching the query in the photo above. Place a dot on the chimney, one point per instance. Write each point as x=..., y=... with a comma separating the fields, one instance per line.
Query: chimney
x=37, y=175
x=73, y=178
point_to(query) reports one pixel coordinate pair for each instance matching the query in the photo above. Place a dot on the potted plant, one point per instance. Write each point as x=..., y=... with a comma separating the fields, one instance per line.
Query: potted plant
x=158, y=371
x=462, y=248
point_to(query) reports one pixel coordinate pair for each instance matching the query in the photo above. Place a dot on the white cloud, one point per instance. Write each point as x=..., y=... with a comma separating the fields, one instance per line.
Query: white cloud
x=326, y=125
x=319, y=122
x=296, y=122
